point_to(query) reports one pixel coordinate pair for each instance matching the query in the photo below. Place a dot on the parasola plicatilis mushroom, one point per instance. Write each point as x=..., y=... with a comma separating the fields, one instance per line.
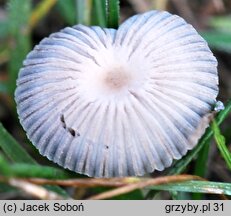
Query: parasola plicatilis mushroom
x=106, y=102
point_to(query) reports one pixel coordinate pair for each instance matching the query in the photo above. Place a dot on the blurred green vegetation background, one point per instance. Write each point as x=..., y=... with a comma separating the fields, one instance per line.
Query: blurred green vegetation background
x=23, y=23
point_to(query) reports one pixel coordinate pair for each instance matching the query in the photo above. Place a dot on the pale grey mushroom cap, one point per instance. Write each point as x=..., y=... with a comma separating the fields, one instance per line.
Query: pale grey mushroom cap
x=124, y=102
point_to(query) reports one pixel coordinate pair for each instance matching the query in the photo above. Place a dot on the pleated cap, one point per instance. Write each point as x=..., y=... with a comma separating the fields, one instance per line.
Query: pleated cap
x=126, y=102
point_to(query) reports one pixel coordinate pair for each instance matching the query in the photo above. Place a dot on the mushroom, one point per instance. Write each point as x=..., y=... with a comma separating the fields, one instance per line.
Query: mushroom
x=106, y=102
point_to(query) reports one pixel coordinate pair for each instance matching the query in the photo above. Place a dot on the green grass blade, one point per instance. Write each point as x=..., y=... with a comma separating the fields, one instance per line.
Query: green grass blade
x=99, y=13
x=201, y=161
x=224, y=113
x=196, y=187
x=220, y=140
x=31, y=171
x=88, y=10
x=218, y=40
x=4, y=29
x=4, y=188
x=80, y=9
x=178, y=195
x=12, y=148
x=134, y=195
x=83, y=11
x=200, y=166
x=17, y=154
x=67, y=10
x=222, y=23
x=3, y=87
x=112, y=13
x=20, y=41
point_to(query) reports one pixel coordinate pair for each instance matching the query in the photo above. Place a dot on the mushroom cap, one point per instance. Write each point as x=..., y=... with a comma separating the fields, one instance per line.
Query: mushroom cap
x=126, y=102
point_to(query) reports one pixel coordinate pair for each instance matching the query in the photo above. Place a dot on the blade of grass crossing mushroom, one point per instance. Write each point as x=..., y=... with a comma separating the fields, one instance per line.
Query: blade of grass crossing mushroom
x=112, y=13
x=220, y=140
x=224, y=113
x=181, y=164
x=144, y=184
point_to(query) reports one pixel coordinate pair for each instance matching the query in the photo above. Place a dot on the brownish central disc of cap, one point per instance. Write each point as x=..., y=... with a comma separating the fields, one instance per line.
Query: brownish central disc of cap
x=117, y=78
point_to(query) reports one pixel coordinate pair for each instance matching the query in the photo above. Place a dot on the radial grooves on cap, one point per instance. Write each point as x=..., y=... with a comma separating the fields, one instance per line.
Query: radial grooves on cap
x=38, y=129
x=86, y=118
x=80, y=36
x=171, y=112
x=94, y=138
x=76, y=53
x=149, y=153
x=164, y=126
x=130, y=150
x=48, y=147
x=42, y=108
x=76, y=120
x=135, y=147
x=154, y=134
x=99, y=157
